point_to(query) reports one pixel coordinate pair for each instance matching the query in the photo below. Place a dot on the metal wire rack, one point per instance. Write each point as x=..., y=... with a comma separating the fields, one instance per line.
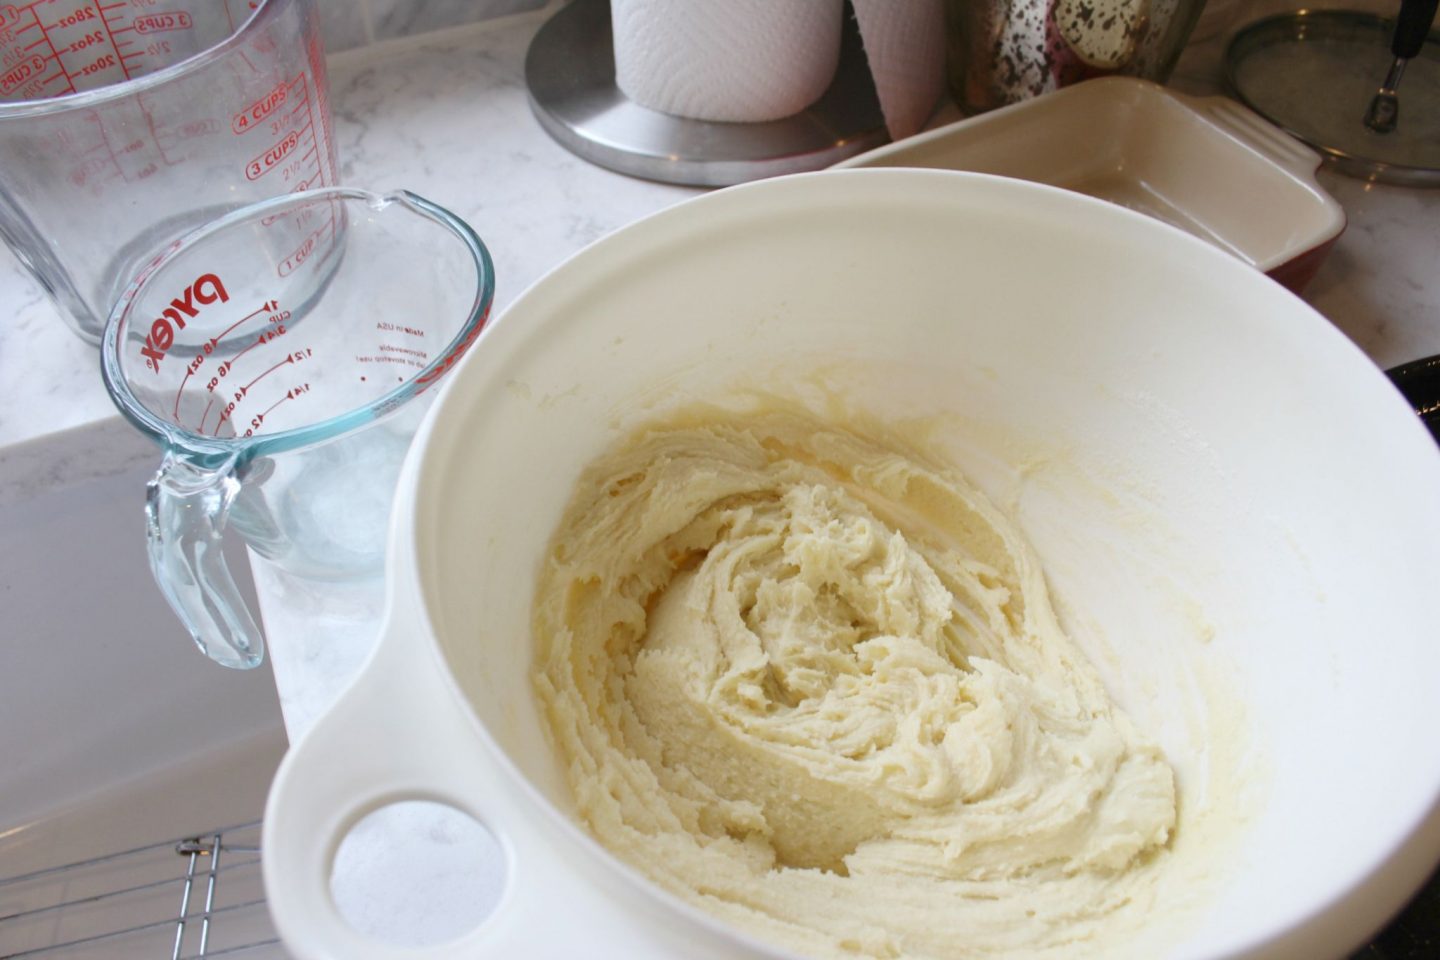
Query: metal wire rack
x=197, y=896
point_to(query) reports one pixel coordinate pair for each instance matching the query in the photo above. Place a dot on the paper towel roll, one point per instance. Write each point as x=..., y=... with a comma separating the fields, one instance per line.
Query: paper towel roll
x=737, y=60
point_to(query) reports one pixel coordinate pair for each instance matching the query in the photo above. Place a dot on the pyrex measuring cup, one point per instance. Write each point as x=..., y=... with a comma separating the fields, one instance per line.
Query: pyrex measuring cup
x=124, y=123
x=284, y=381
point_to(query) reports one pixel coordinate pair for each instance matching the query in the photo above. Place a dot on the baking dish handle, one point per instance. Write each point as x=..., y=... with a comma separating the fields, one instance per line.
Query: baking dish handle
x=400, y=733
x=1257, y=133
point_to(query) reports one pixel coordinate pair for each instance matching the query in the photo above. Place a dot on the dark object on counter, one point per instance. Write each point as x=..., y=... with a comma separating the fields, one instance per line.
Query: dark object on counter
x=570, y=73
x=1313, y=73
x=1414, y=22
x=1415, y=933
x=1419, y=381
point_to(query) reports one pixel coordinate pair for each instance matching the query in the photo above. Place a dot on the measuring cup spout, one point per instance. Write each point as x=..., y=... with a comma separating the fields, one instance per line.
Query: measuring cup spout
x=187, y=507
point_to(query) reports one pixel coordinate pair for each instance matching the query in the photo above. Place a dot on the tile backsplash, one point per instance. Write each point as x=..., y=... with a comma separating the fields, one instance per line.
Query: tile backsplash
x=348, y=24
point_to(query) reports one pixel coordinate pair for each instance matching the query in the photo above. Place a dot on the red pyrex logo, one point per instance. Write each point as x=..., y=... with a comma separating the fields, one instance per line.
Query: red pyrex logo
x=205, y=290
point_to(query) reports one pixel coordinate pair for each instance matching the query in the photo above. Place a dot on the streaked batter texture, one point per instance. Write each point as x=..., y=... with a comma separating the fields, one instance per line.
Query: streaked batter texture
x=815, y=685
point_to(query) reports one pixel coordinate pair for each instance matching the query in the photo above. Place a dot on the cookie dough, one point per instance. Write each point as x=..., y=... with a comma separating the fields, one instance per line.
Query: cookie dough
x=811, y=681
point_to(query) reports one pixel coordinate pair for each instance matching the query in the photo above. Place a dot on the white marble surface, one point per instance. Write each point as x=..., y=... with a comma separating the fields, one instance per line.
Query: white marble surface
x=446, y=116
x=347, y=24
x=402, y=18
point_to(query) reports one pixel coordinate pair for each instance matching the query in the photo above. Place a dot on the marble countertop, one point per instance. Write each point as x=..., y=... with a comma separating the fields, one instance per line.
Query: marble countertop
x=446, y=116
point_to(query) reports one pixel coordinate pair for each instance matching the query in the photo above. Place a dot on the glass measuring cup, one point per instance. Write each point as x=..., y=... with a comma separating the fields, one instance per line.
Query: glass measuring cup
x=124, y=123
x=284, y=382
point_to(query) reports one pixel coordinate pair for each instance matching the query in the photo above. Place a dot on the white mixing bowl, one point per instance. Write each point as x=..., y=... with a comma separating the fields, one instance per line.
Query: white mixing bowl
x=1238, y=515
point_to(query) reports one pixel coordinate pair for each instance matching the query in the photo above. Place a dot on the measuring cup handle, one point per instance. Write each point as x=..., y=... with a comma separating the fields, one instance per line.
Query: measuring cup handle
x=186, y=509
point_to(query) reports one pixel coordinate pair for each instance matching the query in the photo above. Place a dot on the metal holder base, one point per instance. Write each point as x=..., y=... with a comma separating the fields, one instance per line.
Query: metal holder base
x=570, y=72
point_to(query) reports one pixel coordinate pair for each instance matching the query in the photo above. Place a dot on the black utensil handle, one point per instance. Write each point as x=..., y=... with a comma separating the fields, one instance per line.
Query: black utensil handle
x=1412, y=26
x=1419, y=382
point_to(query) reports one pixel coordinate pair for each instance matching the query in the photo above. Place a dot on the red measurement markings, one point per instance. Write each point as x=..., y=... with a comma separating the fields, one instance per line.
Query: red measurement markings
x=230, y=408
x=316, y=55
x=190, y=369
x=223, y=370
x=272, y=156
x=102, y=62
x=116, y=28
x=130, y=147
x=154, y=133
x=24, y=72
x=314, y=150
x=269, y=306
x=291, y=119
x=259, y=418
x=105, y=22
x=289, y=358
x=161, y=22
x=304, y=185
x=290, y=394
x=90, y=39
x=264, y=338
x=9, y=82
x=145, y=24
x=200, y=427
x=88, y=164
x=307, y=247
x=309, y=126
x=125, y=58
x=297, y=97
x=256, y=112
x=30, y=9
x=286, y=154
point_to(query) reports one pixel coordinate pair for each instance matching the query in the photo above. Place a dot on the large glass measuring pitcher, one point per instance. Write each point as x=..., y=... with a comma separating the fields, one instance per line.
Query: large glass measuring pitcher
x=124, y=123
x=284, y=381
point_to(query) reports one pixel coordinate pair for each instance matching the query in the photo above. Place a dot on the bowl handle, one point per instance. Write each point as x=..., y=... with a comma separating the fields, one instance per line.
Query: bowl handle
x=400, y=733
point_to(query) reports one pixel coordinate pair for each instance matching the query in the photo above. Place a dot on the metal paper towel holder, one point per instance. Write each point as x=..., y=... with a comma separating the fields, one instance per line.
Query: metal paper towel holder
x=570, y=74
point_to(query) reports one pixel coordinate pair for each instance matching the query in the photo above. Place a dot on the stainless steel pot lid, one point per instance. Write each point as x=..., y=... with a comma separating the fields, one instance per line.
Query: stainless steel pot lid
x=1314, y=73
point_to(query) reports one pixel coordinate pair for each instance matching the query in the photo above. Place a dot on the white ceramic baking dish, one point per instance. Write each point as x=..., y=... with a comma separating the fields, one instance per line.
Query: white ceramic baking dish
x=1223, y=491
x=1204, y=164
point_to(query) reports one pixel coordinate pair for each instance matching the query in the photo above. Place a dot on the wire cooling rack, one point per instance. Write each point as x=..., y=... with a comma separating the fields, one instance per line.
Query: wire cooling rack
x=193, y=897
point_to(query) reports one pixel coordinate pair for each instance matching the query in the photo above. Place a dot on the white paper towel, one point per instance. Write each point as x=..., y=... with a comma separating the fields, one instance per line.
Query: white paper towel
x=737, y=60
x=757, y=60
